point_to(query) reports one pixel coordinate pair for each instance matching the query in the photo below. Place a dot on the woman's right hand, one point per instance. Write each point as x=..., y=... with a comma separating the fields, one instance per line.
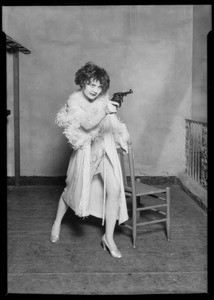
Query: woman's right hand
x=111, y=107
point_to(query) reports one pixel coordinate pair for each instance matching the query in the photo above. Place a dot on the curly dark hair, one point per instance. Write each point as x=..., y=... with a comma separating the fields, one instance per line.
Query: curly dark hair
x=92, y=71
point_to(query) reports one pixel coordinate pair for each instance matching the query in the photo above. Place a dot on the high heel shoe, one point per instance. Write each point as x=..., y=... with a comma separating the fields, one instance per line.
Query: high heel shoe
x=54, y=238
x=114, y=253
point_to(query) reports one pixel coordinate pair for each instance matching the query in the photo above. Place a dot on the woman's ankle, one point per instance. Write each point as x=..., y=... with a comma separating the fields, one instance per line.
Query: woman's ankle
x=57, y=223
x=56, y=227
x=110, y=242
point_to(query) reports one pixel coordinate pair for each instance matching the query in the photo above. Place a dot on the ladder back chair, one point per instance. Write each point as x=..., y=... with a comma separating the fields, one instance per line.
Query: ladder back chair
x=137, y=191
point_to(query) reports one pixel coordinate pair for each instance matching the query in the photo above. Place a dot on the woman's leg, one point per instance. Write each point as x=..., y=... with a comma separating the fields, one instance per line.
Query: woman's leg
x=61, y=210
x=112, y=205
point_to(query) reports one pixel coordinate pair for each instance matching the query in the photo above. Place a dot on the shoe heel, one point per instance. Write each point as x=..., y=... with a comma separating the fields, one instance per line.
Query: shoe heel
x=103, y=245
x=114, y=253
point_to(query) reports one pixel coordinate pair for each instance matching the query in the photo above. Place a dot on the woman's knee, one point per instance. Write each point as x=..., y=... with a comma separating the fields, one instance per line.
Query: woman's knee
x=113, y=191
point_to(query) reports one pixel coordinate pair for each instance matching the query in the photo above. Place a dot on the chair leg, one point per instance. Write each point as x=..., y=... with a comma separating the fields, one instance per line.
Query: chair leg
x=134, y=236
x=138, y=212
x=138, y=216
x=168, y=213
x=134, y=220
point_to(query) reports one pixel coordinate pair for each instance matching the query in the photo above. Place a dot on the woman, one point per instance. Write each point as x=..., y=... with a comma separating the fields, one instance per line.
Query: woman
x=94, y=184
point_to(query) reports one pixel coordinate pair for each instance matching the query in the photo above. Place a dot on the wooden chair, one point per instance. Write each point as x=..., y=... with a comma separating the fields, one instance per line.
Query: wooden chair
x=137, y=191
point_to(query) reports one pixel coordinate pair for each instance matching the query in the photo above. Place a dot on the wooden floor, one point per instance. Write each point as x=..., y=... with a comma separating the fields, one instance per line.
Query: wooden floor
x=78, y=265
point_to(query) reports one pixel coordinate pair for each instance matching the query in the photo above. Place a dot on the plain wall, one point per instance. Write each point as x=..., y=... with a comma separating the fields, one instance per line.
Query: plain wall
x=201, y=27
x=145, y=48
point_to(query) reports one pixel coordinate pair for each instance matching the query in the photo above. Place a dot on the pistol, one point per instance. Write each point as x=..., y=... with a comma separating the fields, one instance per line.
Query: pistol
x=118, y=97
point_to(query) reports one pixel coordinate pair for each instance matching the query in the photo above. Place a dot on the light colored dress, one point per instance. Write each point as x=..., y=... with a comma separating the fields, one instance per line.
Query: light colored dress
x=85, y=190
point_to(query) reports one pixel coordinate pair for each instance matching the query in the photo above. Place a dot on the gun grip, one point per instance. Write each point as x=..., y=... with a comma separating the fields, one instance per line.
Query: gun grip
x=117, y=101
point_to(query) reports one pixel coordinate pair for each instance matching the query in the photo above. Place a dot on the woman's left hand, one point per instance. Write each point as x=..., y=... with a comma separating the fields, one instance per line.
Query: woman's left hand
x=124, y=147
x=111, y=107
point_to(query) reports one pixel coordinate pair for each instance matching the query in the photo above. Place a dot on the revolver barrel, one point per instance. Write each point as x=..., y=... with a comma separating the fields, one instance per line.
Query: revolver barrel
x=118, y=97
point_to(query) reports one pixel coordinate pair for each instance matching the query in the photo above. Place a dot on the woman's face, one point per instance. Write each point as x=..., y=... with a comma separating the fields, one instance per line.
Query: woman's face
x=92, y=89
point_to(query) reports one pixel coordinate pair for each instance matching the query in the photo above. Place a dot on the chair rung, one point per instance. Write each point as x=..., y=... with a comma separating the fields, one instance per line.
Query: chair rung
x=130, y=227
x=151, y=207
x=156, y=196
x=159, y=211
x=151, y=194
x=128, y=194
x=151, y=222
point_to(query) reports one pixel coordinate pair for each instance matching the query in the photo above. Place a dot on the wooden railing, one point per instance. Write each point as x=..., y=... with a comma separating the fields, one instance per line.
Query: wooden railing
x=196, y=151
